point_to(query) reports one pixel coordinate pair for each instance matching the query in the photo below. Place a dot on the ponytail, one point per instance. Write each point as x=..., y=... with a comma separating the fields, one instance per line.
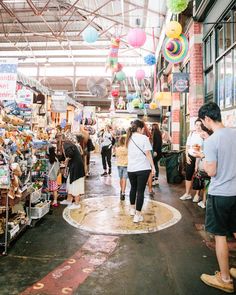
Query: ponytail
x=134, y=128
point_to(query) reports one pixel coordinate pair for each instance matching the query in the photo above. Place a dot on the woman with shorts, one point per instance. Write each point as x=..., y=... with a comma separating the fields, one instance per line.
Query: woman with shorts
x=194, y=143
x=122, y=162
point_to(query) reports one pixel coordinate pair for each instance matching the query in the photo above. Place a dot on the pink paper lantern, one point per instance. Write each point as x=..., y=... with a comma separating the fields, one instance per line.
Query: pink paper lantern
x=136, y=37
x=140, y=75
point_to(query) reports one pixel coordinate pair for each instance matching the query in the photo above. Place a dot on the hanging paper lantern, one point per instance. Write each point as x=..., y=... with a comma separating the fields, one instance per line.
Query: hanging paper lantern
x=115, y=92
x=140, y=75
x=136, y=37
x=173, y=29
x=146, y=106
x=129, y=96
x=177, y=6
x=141, y=105
x=90, y=35
x=150, y=59
x=152, y=106
x=120, y=76
x=135, y=102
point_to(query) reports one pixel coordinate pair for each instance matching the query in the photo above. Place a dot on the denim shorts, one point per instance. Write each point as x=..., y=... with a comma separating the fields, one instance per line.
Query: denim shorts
x=221, y=215
x=122, y=170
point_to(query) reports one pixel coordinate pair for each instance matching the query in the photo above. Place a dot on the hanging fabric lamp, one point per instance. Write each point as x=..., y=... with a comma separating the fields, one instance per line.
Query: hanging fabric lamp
x=136, y=37
x=173, y=29
x=150, y=59
x=120, y=76
x=90, y=35
x=177, y=6
x=140, y=75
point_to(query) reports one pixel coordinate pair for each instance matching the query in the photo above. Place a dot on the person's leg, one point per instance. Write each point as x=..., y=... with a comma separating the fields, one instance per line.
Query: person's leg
x=133, y=188
x=150, y=184
x=123, y=186
x=109, y=154
x=77, y=199
x=55, y=196
x=188, y=179
x=142, y=178
x=104, y=164
x=222, y=254
x=69, y=198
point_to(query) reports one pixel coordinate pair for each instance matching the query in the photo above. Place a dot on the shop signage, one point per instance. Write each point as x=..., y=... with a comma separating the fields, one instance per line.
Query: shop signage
x=180, y=82
x=8, y=76
x=59, y=102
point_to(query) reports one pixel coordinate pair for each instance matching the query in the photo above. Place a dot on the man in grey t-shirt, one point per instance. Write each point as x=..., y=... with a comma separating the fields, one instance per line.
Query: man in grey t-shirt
x=220, y=164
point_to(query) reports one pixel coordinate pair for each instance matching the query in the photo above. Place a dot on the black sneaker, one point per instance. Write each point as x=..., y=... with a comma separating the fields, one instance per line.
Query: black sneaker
x=122, y=197
x=109, y=172
x=104, y=174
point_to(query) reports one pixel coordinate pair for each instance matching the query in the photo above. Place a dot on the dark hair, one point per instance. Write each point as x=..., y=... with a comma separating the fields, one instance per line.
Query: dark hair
x=155, y=129
x=52, y=154
x=211, y=110
x=208, y=131
x=134, y=128
x=198, y=120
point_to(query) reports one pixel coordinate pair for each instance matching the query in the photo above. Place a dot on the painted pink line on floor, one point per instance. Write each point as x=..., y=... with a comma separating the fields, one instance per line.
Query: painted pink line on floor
x=67, y=277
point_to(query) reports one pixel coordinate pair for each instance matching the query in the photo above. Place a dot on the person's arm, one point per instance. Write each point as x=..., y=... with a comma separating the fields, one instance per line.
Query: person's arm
x=149, y=157
x=210, y=162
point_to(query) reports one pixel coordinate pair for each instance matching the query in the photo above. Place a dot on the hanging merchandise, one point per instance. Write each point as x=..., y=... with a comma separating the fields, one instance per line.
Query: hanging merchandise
x=150, y=59
x=136, y=37
x=140, y=74
x=120, y=76
x=90, y=35
x=115, y=92
x=175, y=50
x=147, y=95
x=120, y=104
x=141, y=105
x=177, y=6
x=152, y=105
x=63, y=123
x=112, y=60
x=173, y=29
x=136, y=102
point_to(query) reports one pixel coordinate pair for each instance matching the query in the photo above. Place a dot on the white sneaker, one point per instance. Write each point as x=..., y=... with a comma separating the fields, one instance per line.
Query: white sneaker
x=137, y=218
x=201, y=204
x=132, y=211
x=196, y=199
x=185, y=197
x=65, y=202
x=74, y=206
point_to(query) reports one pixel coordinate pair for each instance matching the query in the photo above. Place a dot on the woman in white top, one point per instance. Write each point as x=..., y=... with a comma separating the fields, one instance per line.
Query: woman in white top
x=140, y=164
x=194, y=143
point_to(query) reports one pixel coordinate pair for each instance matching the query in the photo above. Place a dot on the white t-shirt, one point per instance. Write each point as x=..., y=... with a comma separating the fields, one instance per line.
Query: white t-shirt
x=194, y=138
x=137, y=160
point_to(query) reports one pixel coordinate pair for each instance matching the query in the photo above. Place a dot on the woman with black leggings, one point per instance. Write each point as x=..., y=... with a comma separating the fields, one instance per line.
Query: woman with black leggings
x=140, y=164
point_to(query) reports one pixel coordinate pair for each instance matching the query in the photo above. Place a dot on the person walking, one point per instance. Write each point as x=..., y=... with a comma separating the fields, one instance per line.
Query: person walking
x=106, y=140
x=194, y=143
x=122, y=162
x=53, y=170
x=140, y=164
x=219, y=163
x=157, y=150
x=76, y=173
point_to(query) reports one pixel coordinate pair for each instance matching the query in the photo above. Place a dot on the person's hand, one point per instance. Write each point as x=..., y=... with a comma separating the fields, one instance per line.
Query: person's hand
x=153, y=171
x=155, y=154
x=198, y=154
x=188, y=160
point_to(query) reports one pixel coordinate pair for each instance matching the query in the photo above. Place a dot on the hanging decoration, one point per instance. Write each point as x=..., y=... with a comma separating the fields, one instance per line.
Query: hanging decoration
x=115, y=93
x=153, y=105
x=175, y=50
x=120, y=104
x=150, y=59
x=140, y=74
x=63, y=123
x=90, y=35
x=136, y=37
x=120, y=76
x=173, y=29
x=136, y=102
x=112, y=60
x=141, y=105
x=147, y=95
x=177, y=6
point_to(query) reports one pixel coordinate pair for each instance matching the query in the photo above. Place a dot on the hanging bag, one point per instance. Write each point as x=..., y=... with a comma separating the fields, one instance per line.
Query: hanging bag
x=198, y=182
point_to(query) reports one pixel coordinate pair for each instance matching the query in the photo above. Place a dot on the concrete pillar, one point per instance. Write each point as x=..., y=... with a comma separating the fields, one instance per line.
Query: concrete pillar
x=196, y=90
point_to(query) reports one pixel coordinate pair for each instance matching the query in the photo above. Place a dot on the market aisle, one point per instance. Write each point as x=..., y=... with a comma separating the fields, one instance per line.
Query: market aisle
x=167, y=262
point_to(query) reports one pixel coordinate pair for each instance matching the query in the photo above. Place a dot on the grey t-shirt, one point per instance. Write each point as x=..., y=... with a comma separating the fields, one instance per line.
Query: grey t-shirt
x=220, y=147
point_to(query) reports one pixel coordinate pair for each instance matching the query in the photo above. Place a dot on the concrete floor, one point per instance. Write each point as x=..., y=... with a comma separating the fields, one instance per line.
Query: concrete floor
x=167, y=262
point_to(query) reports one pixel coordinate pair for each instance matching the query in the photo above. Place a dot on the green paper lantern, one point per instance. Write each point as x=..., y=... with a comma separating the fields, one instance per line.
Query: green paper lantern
x=141, y=105
x=177, y=6
x=136, y=102
x=120, y=76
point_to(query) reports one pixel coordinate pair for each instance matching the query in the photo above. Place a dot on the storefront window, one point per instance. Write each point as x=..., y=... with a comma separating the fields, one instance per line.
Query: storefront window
x=209, y=82
x=220, y=40
x=228, y=32
x=220, y=83
x=235, y=75
x=228, y=80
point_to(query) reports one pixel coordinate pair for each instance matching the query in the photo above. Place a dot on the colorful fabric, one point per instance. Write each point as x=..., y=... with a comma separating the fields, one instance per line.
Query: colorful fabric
x=52, y=185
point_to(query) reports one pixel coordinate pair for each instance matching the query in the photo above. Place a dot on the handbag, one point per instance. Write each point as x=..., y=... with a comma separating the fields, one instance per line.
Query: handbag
x=198, y=182
x=90, y=145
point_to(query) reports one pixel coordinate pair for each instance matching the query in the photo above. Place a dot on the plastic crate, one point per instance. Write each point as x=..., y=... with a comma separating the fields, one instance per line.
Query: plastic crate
x=39, y=212
x=36, y=195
